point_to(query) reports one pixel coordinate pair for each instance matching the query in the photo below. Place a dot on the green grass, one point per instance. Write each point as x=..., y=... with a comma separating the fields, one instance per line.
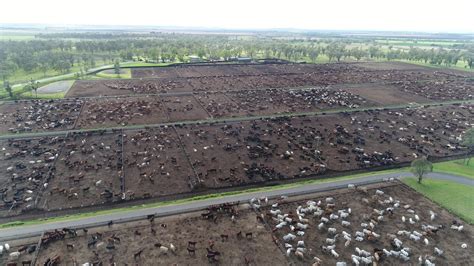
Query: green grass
x=457, y=167
x=4, y=36
x=419, y=43
x=457, y=198
x=56, y=95
x=461, y=65
x=126, y=75
x=143, y=64
x=183, y=201
x=20, y=76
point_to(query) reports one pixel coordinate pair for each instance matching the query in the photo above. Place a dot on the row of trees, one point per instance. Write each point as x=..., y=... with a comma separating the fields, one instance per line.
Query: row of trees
x=61, y=55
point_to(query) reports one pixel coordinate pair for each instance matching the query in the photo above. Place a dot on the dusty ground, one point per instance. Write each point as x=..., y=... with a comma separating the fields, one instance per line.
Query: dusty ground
x=25, y=166
x=27, y=247
x=158, y=162
x=184, y=108
x=87, y=172
x=440, y=89
x=155, y=164
x=445, y=239
x=385, y=94
x=244, y=77
x=111, y=112
x=38, y=115
x=177, y=230
x=266, y=245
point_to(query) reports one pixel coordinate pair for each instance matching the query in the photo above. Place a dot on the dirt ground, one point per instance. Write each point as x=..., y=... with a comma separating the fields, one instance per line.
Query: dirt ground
x=184, y=108
x=241, y=153
x=155, y=164
x=122, y=111
x=440, y=89
x=88, y=172
x=219, y=78
x=266, y=245
x=158, y=162
x=445, y=239
x=25, y=167
x=178, y=231
x=390, y=66
x=385, y=94
x=38, y=115
x=26, y=247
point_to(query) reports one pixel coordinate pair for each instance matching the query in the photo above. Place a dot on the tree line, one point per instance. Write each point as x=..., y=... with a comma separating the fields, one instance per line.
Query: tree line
x=61, y=52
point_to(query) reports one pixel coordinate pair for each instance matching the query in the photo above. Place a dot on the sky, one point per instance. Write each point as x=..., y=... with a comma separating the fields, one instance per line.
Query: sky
x=394, y=15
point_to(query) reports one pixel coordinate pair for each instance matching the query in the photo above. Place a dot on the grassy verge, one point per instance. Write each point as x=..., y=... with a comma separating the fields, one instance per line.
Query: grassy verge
x=144, y=64
x=457, y=167
x=196, y=198
x=56, y=95
x=461, y=65
x=456, y=198
x=127, y=74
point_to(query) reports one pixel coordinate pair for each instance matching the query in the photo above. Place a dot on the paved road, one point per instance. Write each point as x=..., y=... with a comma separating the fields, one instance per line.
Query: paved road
x=36, y=230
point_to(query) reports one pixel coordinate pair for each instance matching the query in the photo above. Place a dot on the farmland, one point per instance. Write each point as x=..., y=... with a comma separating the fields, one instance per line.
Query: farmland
x=194, y=93
x=100, y=168
x=156, y=135
x=379, y=222
x=185, y=131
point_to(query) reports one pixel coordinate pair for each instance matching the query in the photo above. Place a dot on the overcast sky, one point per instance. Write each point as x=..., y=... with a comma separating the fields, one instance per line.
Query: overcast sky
x=405, y=15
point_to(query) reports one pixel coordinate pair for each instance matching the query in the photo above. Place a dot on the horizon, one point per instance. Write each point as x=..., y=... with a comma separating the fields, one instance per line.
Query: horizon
x=366, y=15
x=6, y=27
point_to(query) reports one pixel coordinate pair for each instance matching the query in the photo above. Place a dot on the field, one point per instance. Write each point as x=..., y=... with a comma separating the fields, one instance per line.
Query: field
x=189, y=130
x=88, y=171
x=110, y=112
x=247, y=234
x=56, y=87
x=458, y=167
x=100, y=168
x=456, y=198
x=219, y=78
x=186, y=93
x=39, y=115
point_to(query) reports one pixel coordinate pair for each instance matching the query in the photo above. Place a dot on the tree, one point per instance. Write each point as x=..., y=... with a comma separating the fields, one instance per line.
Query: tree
x=117, y=67
x=7, y=68
x=34, y=86
x=357, y=53
x=8, y=88
x=468, y=141
x=420, y=167
x=313, y=54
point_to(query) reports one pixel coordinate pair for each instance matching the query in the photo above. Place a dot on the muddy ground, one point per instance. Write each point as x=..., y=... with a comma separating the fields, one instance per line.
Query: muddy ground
x=190, y=158
x=227, y=78
x=88, y=171
x=446, y=239
x=39, y=115
x=266, y=245
x=112, y=112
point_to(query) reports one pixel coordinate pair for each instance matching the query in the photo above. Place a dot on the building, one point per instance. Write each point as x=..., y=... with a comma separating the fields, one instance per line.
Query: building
x=195, y=59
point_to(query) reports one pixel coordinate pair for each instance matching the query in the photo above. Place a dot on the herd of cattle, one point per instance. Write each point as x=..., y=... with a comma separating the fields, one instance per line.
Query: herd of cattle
x=362, y=225
x=256, y=77
x=54, y=115
x=224, y=91
x=98, y=167
x=178, y=149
